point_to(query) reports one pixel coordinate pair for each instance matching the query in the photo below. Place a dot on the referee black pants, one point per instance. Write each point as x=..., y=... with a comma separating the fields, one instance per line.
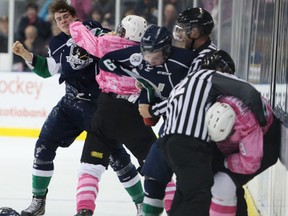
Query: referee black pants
x=190, y=160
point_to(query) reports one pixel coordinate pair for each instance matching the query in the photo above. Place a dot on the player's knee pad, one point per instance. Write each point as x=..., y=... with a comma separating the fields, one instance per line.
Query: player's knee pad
x=120, y=160
x=121, y=163
x=91, y=169
x=43, y=165
x=45, y=150
x=224, y=190
x=154, y=189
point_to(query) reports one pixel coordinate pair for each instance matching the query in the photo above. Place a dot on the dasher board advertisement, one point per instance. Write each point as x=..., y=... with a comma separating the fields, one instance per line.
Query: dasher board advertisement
x=26, y=100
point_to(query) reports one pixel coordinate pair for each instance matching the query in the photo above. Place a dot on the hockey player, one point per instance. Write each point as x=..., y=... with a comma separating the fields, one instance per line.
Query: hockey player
x=247, y=148
x=185, y=142
x=146, y=63
x=71, y=116
x=117, y=120
x=193, y=28
x=154, y=63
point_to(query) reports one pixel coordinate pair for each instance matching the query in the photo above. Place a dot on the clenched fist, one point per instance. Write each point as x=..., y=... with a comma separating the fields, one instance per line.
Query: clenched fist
x=19, y=49
x=144, y=110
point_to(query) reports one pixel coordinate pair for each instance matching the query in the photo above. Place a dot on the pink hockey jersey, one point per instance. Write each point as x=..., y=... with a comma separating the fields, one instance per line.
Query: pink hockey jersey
x=244, y=148
x=99, y=46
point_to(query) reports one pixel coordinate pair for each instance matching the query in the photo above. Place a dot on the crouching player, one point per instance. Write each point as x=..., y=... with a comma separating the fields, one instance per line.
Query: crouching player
x=245, y=148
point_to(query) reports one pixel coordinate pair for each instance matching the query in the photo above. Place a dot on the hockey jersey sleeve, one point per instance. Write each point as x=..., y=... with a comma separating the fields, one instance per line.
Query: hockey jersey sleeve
x=43, y=67
x=84, y=38
x=244, y=148
x=242, y=90
x=158, y=109
x=94, y=44
x=248, y=159
x=119, y=62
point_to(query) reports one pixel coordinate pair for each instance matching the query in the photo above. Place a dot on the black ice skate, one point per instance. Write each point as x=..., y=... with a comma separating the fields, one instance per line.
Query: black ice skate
x=37, y=206
x=84, y=212
x=139, y=208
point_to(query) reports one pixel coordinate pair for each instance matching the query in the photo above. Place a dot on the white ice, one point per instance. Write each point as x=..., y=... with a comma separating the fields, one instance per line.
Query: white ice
x=16, y=156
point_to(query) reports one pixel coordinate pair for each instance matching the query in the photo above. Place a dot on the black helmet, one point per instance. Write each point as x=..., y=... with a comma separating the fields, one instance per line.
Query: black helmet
x=5, y=211
x=156, y=38
x=219, y=60
x=196, y=16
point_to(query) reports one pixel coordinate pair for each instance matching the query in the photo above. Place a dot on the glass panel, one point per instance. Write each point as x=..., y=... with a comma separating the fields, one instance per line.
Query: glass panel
x=261, y=55
x=241, y=36
x=4, y=31
x=282, y=59
x=4, y=26
x=33, y=28
x=281, y=68
x=101, y=11
x=5, y=57
x=222, y=12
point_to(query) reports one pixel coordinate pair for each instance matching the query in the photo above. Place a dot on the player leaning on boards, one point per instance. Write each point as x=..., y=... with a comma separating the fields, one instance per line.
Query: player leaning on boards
x=244, y=148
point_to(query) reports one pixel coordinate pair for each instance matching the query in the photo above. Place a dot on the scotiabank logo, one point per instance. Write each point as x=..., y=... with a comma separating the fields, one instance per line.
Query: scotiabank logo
x=21, y=87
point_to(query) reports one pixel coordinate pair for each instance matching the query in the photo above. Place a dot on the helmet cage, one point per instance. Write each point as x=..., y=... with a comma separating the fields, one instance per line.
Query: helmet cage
x=121, y=31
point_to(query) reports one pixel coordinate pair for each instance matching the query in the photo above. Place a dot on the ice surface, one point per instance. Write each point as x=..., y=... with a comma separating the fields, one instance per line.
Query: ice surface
x=15, y=181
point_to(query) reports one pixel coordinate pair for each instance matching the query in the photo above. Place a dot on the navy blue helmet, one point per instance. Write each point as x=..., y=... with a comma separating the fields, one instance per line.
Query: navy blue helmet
x=5, y=211
x=156, y=38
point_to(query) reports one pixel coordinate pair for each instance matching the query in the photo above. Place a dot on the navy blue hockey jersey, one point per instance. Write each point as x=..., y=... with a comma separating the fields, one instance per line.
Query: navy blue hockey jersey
x=76, y=66
x=161, y=78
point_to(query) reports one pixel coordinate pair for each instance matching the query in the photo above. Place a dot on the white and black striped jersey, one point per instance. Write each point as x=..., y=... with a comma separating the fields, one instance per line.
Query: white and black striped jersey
x=191, y=98
x=201, y=52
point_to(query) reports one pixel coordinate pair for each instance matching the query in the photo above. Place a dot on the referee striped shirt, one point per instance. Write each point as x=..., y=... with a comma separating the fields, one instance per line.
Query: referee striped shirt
x=201, y=52
x=192, y=97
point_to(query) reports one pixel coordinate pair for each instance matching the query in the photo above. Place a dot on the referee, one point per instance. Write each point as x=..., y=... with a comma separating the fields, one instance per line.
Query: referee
x=185, y=140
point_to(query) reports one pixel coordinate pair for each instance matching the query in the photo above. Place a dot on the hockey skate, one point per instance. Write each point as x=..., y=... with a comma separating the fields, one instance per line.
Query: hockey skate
x=139, y=207
x=37, y=206
x=84, y=212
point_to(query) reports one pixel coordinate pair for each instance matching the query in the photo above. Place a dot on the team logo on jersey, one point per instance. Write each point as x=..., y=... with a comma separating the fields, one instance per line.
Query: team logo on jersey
x=136, y=59
x=78, y=58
